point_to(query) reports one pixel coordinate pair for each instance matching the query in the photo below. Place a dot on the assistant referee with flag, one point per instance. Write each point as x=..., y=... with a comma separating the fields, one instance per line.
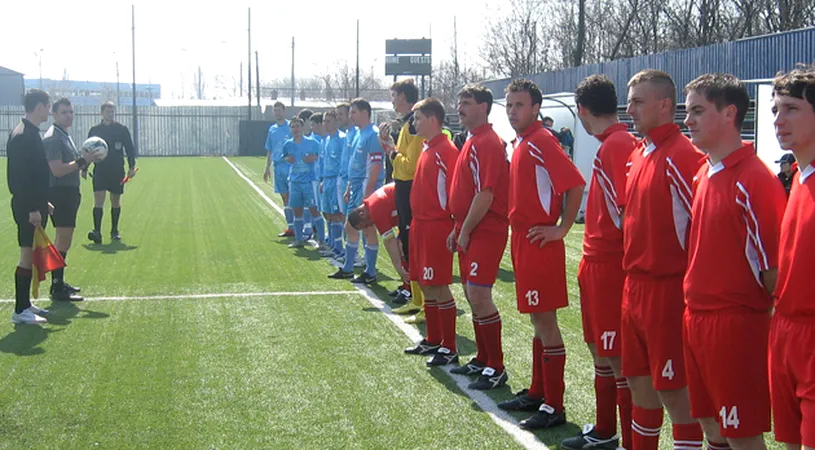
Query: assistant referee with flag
x=28, y=183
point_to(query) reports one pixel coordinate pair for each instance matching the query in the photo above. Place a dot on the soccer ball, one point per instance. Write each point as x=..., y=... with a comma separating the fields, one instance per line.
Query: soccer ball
x=96, y=145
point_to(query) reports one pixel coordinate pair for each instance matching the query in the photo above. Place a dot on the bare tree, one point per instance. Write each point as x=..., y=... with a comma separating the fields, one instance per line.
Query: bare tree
x=512, y=44
x=200, y=84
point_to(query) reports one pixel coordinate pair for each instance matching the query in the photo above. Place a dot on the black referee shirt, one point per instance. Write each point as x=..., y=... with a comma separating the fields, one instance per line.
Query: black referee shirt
x=120, y=144
x=28, y=169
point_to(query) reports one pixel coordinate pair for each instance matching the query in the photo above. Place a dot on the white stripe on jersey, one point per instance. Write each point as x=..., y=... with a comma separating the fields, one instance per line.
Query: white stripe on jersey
x=753, y=246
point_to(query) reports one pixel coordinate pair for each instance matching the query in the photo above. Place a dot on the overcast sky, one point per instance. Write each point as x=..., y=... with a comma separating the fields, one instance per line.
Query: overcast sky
x=87, y=37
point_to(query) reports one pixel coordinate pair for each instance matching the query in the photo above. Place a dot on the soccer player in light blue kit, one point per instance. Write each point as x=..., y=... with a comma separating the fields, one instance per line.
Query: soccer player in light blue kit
x=330, y=162
x=302, y=154
x=366, y=173
x=343, y=111
x=305, y=114
x=279, y=132
x=318, y=134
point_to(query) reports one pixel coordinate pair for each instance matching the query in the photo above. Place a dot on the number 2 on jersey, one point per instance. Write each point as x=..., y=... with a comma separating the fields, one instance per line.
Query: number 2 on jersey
x=474, y=269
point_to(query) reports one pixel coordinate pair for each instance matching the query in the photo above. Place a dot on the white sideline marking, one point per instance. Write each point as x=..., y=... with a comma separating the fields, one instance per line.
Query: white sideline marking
x=501, y=418
x=205, y=296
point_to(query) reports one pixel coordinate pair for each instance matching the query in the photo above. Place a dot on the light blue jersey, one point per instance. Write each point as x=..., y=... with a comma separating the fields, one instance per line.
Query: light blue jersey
x=345, y=160
x=331, y=157
x=278, y=134
x=367, y=152
x=301, y=171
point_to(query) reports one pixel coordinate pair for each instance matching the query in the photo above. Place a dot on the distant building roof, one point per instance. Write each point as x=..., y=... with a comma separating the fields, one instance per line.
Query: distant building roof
x=7, y=71
x=264, y=102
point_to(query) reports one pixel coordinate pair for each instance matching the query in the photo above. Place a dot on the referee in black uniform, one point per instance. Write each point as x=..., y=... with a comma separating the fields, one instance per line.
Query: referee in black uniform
x=109, y=173
x=65, y=163
x=28, y=183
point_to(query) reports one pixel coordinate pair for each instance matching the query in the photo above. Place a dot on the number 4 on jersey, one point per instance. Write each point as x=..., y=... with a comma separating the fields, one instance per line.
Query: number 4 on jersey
x=668, y=370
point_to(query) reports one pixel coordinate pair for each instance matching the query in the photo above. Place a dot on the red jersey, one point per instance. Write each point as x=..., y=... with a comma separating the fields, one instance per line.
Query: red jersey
x=657, y=203
x=382, y=209
x=736, y=217
x=540, y=173
x=482, y=164
x=603, y=234
x=796, y=259
x=431, y=183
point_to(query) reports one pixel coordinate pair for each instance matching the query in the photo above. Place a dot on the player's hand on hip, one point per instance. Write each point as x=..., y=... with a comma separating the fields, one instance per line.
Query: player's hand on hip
x=545, y=234
x=35, y=218
x=267, y=174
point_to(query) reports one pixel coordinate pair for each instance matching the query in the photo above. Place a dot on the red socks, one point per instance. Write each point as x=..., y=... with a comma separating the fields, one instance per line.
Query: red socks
x=624, y=403
x=537, y=390
x=688, y=436
x=447, y=320
x=433, y=321
x=554, y=363
x=605, y=392
x=646, y=425
x=491, y=335
x=481, y=348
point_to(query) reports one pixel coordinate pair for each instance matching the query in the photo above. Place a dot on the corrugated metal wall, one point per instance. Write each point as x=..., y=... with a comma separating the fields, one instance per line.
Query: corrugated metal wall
x=753, y=58
x=163, y=131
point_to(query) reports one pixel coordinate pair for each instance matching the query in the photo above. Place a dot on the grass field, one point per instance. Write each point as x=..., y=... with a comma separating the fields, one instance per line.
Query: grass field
x=205, y=331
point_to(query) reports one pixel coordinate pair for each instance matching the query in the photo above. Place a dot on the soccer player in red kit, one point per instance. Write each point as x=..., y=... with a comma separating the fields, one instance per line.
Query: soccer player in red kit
x=732, y=263
x=542, y=178
x=792, y=332
x=432, y=264
x=600, y=273
x=378, y=211
x=656, y=218
x=479, y=197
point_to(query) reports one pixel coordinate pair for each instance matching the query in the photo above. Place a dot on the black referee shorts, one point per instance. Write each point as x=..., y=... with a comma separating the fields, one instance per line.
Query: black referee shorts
x=109, y=179
x=66, y=205
x=25, y=231
x=402, y=189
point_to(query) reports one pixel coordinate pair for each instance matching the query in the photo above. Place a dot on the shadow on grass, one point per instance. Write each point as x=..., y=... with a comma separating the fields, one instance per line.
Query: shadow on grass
x=551, y=437
x=25, y=339
x=110, y=248
x=63, y=313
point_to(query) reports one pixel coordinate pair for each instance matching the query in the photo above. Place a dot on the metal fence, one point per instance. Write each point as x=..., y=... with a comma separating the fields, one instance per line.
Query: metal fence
x=163, y=130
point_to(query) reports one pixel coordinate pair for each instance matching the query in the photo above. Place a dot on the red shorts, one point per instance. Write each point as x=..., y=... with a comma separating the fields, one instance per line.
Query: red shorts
x=652, y=330
x=792, y=380
x=726, y=358
x=480, y=263
x=431, y=262
x=601, y=301
x=540, y=274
